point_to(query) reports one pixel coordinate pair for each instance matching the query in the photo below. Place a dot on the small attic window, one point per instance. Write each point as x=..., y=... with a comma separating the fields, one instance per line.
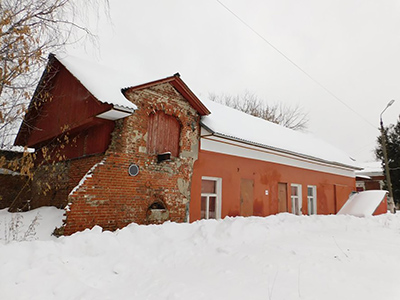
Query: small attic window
x=163, y=134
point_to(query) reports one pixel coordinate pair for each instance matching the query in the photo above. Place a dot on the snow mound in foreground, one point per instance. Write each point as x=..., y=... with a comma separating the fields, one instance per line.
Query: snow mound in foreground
x=277, y=257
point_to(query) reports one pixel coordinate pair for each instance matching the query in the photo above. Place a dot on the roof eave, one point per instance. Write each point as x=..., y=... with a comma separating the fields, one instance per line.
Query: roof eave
x=187, y=93
x=116, y=112
x=300, y=155
x=21, y=138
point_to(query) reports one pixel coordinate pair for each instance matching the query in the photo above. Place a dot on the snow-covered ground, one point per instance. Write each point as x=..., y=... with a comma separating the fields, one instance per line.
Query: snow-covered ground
x=37, y=224
x=278, y=257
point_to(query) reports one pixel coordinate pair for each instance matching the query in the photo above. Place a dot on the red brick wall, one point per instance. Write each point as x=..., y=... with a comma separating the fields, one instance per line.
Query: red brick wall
x=62, y=178
x=50, y=186
x=110, y=197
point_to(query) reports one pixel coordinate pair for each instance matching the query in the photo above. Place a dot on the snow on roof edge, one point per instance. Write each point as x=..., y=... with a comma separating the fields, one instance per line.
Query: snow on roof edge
x=108, y=91
x=218, y=134
x=250, y=127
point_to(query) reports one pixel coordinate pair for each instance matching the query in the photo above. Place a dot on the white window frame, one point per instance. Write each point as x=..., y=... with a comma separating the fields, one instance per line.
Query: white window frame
x=312, y=200
x=298, y=197
x=217, y=194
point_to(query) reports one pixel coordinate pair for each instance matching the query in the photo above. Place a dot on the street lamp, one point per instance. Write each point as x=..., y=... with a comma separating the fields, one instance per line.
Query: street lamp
x=387, y=172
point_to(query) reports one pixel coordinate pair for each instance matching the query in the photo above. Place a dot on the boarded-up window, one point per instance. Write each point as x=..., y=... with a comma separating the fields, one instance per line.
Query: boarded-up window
x=163, y=134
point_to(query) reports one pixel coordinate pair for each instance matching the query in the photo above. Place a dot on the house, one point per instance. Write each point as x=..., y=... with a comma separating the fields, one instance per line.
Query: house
x=105, y=146
x=148, y=153
x=261, y=168
x=371, y=177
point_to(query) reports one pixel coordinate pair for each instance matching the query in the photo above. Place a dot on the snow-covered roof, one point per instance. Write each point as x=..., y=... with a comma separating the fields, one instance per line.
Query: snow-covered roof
x=233, y=124
x=371, y=168
x=103, y=82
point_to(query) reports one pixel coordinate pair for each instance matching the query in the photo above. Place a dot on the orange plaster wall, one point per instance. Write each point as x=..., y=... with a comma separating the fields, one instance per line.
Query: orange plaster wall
x=382, y=208
x=332, y=190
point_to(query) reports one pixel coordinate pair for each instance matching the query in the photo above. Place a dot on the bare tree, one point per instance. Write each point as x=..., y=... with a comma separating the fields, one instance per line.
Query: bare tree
x=292, y=117
x=29, y=30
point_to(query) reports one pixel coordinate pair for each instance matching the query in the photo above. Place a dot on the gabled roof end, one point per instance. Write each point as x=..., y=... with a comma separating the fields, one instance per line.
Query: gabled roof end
x=176, y=81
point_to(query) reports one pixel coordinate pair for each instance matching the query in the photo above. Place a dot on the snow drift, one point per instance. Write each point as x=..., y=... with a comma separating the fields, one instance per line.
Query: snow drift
x=278, y=257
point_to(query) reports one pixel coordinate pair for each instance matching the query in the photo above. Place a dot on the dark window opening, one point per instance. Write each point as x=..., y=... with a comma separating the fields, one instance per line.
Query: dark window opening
x=157, y=205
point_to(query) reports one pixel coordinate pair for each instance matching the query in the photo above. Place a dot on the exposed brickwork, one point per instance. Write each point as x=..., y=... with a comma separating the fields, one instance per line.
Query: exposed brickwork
x=52, y=184
x=110, y=197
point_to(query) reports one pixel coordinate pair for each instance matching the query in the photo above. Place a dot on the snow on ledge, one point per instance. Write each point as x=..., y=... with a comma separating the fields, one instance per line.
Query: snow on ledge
x=84, y=178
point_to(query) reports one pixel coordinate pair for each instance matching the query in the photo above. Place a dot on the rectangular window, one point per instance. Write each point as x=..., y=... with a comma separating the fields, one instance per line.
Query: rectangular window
x=312, y=199
x=295, y=196
x=210, y=198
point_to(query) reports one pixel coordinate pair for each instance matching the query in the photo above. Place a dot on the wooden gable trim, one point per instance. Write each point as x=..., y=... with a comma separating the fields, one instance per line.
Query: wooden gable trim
x=180, y=86
x=27, y=125
x=54, y=66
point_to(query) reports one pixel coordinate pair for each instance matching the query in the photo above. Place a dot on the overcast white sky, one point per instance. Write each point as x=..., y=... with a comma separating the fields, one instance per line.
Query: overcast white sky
x=351, y=47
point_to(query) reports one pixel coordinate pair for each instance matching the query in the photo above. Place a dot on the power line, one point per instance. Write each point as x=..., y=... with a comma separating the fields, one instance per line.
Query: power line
x=295, y=64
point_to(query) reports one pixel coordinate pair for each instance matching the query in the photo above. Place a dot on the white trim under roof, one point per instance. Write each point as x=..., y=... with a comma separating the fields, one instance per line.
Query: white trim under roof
x=116, y=113
x=230, y=147
x=237, y=127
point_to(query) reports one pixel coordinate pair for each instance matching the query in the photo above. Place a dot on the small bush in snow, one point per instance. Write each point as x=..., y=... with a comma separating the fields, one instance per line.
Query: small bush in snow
x=14, y=230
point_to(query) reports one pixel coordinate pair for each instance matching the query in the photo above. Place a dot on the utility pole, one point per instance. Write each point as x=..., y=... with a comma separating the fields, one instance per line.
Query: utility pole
x=385, y=157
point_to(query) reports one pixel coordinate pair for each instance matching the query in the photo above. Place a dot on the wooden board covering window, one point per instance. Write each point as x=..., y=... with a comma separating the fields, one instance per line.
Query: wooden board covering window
x=163, y=135
x=282, y=197
x=246, y=197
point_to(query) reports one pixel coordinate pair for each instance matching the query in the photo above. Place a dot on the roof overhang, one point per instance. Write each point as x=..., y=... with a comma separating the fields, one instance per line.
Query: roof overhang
x=116, y=112
x=362, y=177
x=210, y=132
x=369, y=173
